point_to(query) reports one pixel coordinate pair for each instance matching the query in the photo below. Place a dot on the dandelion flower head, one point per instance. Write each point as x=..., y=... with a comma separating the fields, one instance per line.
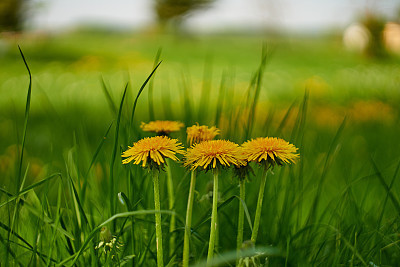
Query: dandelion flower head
x=269, y=150
x=162, y=127
x=212, y=154
x=197, y=134
x=153, y=151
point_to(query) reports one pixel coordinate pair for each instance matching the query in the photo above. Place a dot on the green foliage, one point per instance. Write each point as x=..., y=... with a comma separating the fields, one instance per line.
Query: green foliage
x=176, y=10
x=338, y=205
x=169, y=9
x=12, y=15
x=375, y=25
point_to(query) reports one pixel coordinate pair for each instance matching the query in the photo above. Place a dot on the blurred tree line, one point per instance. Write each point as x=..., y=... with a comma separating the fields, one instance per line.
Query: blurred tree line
x=174, y=11
x=12, y=15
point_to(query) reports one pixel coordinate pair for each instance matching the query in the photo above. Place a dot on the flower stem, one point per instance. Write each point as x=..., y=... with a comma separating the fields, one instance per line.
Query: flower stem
x=131, y=194
x=171, y=204
x=159, y=246
x=259, y=207
x=239, y=240
x=213, y=219
x=189, y=220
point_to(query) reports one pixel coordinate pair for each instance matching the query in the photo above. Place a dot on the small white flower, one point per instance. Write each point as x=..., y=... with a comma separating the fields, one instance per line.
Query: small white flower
x=108, y=242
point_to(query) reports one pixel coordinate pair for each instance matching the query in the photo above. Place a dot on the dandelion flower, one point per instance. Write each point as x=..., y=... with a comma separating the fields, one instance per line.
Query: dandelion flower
x=152, y=151
x=267, y=151
x=197, y=134
x=211, y=154
x=270, y=150
x=162, y=127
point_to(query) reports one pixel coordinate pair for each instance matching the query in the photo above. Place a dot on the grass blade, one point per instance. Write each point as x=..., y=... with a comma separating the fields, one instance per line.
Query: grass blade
x=140, y=91
x=257, y=88
x=29, y=188
x=26, y=117
x=83, y=190
x=394, y=200
x=114, y=153
x=109, y=99
x=387, y=195
x=220, y=102
x=314, y=207
x=205, y=92
x=111, y=219
x=150, y=91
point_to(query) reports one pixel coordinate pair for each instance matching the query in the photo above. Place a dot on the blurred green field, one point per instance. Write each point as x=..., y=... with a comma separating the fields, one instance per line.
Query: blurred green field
x=339, y=205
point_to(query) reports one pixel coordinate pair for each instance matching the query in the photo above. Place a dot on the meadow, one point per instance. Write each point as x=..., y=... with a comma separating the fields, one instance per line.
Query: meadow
x=62, y=135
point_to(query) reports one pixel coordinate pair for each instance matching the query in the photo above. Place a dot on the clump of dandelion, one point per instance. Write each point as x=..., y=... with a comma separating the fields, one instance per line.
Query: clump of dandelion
x=162, y=127
x=268, y=152
x=108, y=243
x=212, y=155
x=195, y=134
x=152, y=152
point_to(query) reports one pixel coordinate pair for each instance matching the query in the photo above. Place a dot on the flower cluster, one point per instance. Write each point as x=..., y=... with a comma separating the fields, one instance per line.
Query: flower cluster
x=206, y=153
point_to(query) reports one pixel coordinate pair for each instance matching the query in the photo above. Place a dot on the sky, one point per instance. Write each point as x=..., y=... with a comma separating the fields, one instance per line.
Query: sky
x=295, y=15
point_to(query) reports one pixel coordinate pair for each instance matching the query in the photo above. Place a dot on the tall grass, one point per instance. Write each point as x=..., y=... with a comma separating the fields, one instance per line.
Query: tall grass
x=339, y=205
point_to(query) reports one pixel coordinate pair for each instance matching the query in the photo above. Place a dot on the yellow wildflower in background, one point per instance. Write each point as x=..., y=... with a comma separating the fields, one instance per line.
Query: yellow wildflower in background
x=153, y=150
x=372, y=111
x=271, y=150
x=212, y=154
x=197, y=134
x=162, y=127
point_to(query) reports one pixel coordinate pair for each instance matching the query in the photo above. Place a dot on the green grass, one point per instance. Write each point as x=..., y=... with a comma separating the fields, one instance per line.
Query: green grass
x=339, y=205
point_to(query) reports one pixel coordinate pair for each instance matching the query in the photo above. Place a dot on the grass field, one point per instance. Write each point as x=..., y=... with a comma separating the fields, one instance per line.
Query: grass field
x=337, y=205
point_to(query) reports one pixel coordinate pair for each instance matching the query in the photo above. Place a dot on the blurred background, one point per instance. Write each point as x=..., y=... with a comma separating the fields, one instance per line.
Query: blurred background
x=195, y=15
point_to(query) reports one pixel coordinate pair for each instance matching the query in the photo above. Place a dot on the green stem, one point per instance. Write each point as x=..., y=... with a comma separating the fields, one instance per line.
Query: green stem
x=239, y=240
x=171, y=204
x=259, y=207
x=216, y=244
x=130, y=194
x=189, y=220
x=159, y=246
x=213, y=219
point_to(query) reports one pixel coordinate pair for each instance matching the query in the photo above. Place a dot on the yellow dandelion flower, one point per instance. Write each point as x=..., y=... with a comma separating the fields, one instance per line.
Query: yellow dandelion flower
x=270, y=150
x=162, y=127
x=197, y=134
x=153, y=150
x=212, y=154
